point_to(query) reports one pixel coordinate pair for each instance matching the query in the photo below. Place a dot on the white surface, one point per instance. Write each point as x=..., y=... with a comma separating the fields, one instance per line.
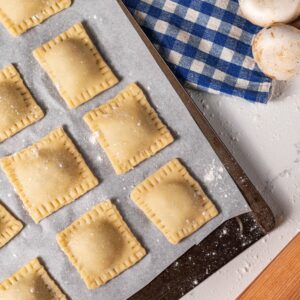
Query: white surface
x=265, y=139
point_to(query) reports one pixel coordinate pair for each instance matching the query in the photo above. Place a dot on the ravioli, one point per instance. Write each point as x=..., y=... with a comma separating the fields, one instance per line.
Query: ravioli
x=100, y=245
x=128, y=129
x=9, y=226
x=18, y=15
x=48, y=174
x=18, y=109
x=174, y=201
x=75, y=66
x=31, y=282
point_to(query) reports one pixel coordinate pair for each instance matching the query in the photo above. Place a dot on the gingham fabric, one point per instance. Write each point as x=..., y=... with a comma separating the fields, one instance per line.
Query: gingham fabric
x=207, y=44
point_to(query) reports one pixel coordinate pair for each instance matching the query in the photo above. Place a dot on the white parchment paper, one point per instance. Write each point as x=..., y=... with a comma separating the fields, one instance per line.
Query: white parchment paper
x=128, y=56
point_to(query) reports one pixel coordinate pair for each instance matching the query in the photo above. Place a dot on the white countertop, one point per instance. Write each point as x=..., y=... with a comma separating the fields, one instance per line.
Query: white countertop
x=265, y=140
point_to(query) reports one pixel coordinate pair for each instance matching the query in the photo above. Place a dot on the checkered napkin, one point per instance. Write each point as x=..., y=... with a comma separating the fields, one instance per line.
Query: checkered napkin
x=206, y=43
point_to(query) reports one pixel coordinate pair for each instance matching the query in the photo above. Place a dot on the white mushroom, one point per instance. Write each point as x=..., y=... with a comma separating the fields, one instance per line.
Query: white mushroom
x=276, y=50
x=267, y=12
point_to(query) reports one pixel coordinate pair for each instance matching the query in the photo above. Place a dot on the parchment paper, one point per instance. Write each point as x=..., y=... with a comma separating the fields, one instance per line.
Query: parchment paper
x=129, y=57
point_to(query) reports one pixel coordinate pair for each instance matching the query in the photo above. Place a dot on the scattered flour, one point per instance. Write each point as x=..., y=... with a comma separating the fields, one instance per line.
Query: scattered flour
x=93, y=138
x=209, y=176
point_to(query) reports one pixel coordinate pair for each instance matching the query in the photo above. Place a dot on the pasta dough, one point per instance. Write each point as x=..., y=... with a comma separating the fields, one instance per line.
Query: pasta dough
x=49, y=174
x=128, y=129
x=75, y=66
x=174, y=201
x=18, y=15
x=31, y=282
x=17, y=107
x=9, y=226
x=100, y=245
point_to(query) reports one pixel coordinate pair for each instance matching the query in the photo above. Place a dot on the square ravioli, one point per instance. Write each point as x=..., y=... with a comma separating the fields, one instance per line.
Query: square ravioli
x=9, y=226
x=48, y=174
x=174, y=201
x=75, y=66
x=18, y=15
x=100, y=245
x=31, y=282
x=18, y=109
x=128, y=129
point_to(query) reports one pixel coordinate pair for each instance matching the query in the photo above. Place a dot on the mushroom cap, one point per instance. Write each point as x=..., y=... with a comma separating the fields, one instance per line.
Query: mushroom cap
x=267, y=12
x=276, y=50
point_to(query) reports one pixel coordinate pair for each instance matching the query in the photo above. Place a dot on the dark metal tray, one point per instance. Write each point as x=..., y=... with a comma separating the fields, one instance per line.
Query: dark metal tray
x=233, y=236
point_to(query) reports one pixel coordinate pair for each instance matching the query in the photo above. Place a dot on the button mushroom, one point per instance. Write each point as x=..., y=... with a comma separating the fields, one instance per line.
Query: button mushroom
x=267, y=12
x=276, y=50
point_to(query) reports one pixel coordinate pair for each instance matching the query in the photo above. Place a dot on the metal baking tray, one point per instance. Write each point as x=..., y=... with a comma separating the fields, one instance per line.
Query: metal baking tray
x=195, y=265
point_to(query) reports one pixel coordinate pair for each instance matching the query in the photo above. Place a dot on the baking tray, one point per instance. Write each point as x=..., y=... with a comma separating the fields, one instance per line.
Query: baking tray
x=233, y=236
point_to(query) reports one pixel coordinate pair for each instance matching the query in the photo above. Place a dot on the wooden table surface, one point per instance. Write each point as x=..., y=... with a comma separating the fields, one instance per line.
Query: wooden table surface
x=281, y=279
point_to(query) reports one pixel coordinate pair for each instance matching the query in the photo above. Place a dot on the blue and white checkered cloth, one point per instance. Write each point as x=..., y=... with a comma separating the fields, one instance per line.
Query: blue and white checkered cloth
x=207, y=44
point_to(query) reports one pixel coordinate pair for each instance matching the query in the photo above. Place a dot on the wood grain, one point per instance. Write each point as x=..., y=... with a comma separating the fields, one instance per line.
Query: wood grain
x=281, y=279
